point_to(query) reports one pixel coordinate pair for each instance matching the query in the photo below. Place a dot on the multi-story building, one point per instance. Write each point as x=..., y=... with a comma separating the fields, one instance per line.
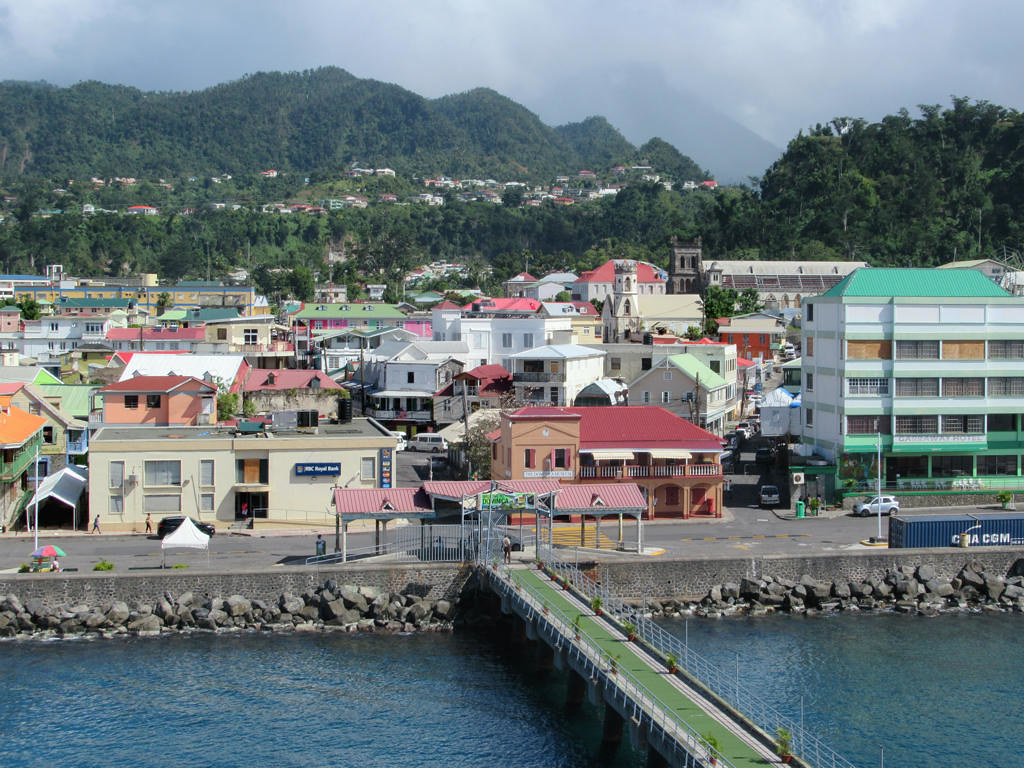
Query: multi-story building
x=600, y=283
x=49, y=339
x=493, y=338
x=756, y=335
x=158, y=401
x=405, y=378
x=21, y=435
x=930, y=363
x=554, y=374
x=675, y=463
x=685, y=386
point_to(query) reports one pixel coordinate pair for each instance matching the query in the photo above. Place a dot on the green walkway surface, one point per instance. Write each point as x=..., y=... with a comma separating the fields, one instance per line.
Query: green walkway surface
x=656, y=680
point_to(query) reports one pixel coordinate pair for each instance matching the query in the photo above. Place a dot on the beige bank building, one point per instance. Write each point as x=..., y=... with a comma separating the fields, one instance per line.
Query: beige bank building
x=224, y=475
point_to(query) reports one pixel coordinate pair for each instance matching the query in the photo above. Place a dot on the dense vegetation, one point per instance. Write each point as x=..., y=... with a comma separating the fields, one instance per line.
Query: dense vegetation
x=319, y=120
x=904, y=191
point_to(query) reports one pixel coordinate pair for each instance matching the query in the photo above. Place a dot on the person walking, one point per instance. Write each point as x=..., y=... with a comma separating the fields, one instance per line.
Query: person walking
x=321, y=545
x=95, y=524
x=149, y=523
x=506, y=547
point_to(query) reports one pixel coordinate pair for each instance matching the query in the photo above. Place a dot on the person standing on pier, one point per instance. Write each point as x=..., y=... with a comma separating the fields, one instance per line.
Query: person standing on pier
x=506, y=547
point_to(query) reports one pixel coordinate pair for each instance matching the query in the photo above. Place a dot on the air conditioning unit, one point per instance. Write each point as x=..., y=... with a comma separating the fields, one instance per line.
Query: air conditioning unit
x=798, y=478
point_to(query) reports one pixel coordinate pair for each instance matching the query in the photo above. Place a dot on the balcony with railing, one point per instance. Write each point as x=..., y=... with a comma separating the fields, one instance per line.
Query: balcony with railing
x=395, y=415
x=537, y=377
x=646, y=471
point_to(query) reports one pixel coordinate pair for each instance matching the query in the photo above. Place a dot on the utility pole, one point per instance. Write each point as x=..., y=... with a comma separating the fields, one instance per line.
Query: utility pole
x=362, y=380
x=465, y=424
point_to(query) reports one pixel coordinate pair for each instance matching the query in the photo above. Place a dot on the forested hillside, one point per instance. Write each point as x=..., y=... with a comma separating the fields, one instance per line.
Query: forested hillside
x=318, y=121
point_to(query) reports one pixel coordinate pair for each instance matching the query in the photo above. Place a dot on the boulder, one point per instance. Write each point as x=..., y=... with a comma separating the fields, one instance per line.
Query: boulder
x=775, y=589
x=370, y=593
x=841, y=590
x=13, y=604
x=730, y=591
x=185, y=599
x=994, y=587
x=970, y=577
x=354, y=600
x=118, y=613
x=290, y=603
x=36, y=607
x=94, y=620
x=925, y=573
x=939, y=588
x=333, y=610
x=445, y=609
x=163, y=608
x=1013, y=592
x=145, y=625
x=218, y=617
x=236, y=605
x=715, y=595
x=750, y=589
x=309, y=612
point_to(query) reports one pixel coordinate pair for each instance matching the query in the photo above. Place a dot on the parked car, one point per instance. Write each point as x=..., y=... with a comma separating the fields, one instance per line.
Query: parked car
x=400, y=437
x=764, y=455
x=732, y=441
x=769, y=496
x=746, y=429
x=870, y=505
x=171, y=524
x=428, y=441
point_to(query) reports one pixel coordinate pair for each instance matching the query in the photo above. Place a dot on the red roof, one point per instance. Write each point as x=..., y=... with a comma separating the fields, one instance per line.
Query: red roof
x=447, y=305
x=157, y=334
x=742, y=362
x=456, y=489
x=375, y=501
x=10, y=387
x=282, y=378
x=634, y=426
x=606, y=274
x=492, y=381
x=523, y=277
x=596, y=495
x=504, y=305
x=584, y=308
x=161, y=384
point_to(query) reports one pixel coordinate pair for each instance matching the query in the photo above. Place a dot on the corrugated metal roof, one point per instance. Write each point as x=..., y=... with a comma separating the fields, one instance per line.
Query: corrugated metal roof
x=377, y=501
x=589, y=496
x=906, y=282
x=456, y=489
x=695, y=369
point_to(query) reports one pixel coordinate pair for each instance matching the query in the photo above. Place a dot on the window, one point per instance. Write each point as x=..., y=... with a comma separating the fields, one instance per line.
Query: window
x=645, y=364
x=917, y=350
x=672, y=495
x=527, y=341
x=252, y=471
x=163, y=472
x=33, y=408
x=561, y=458
x=163, y=502
x=206, y=472
x=665, y=397
x=616, y=363
x=131, y=402
x=972, y=387
x=206, y=502
x=152, y=401
x=917, y=425
x=867, y=386
x=1003, y=386
x=529, y=457
x=54, y=327
x=764, y=338
x=48, y=437
x=868, y=425
x=1006, y=350
x=222, y=334
x=809, y=413
x=952, y=466
x=410, y=378
x=1002, y=422
x=667, y=376
x=116, y=505
x=506, y=340
x=250, y=336
x=646, y=398
x=963, y=425
x=809, y=347
x=997, y=465
x=810, y=382
x=367, y=468
x=810, y=314
x=869, y=350
x=917, y=387
x=963, y=350
x=115, y=471
x=554, y=395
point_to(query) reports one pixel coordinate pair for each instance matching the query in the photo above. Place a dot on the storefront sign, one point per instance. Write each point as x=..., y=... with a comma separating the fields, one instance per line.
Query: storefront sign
x=386, y=466
x=318, y=469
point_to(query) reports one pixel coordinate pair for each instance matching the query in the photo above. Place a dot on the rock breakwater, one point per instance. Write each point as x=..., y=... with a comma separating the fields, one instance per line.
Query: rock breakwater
x=905, y=589
x=331, y=606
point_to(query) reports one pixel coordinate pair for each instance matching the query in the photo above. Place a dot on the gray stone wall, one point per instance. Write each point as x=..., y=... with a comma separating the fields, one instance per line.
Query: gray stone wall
x=433, y=581
x=692, y=579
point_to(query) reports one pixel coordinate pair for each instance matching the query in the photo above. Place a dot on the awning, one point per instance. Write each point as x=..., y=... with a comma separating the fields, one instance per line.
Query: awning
x=616, y=455
x=669, y=454
x=66, y=485
x=401, y=393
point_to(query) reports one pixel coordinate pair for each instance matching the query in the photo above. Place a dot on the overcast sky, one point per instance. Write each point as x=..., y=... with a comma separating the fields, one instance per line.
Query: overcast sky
x=775, y=67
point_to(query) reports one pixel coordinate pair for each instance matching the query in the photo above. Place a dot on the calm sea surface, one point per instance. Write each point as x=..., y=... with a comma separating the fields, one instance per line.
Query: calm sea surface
x=936, y=692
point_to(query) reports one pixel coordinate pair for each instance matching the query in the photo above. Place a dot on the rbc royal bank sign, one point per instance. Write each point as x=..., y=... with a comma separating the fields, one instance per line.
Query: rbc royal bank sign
x=318, y=469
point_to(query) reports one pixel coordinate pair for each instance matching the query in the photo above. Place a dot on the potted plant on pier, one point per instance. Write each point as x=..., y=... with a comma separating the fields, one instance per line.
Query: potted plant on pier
x=672, y=663
x=784, y=744
x=576, y=626
x=712, y=742
x=565, y=583
x=544, y=607
x=613, y=663
x=1004, y=498
x=595, y=605
x=630, y=630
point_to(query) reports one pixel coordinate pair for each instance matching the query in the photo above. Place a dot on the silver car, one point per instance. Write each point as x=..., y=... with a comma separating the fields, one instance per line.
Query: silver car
x=872, y=504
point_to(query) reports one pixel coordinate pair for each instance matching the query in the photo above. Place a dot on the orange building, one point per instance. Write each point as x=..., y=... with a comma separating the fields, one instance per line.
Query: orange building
x=675, y=463
x=160, y=401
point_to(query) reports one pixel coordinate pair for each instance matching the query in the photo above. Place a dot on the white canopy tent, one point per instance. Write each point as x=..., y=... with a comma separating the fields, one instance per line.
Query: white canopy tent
x=186, y=536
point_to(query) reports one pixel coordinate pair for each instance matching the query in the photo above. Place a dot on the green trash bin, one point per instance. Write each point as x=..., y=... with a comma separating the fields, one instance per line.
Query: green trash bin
x=799, y=509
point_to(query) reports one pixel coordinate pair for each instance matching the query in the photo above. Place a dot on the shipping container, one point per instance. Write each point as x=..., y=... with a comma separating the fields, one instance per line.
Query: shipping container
x=999, y=529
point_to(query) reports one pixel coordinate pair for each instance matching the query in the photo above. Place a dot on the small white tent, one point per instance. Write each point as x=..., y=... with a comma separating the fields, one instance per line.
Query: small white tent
x=186, y=536
x=780, y=414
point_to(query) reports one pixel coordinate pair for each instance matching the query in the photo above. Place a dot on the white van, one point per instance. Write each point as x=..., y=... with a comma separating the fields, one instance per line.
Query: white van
x=400, y=437
x=428, y=441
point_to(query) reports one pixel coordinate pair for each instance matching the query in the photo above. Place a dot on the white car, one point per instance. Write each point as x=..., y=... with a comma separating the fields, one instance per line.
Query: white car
x=400, y=437
x=871, y=504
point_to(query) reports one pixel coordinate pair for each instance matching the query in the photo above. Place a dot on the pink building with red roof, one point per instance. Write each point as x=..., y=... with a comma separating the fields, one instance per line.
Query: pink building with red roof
x=675, y=463
x=600, y=283
x=160, y=401
x=156, y=339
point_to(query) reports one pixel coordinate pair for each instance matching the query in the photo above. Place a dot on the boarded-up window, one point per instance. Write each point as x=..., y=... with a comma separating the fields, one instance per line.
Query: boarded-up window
x=869, y=350
x=963, y=350
x=809, y=347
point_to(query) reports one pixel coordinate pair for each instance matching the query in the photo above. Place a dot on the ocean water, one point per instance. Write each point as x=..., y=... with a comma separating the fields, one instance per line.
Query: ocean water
x=943, y=693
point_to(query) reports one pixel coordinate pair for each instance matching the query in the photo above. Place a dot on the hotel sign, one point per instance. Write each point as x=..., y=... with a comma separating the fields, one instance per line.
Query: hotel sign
x=318, y=469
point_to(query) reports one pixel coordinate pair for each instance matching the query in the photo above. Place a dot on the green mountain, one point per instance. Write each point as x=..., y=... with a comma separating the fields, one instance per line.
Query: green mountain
x=316, y=121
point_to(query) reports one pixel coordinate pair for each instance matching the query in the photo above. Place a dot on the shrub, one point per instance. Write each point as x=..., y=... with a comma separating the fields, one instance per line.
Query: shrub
x=24, y=568
x=103, y=565
x=179, y=565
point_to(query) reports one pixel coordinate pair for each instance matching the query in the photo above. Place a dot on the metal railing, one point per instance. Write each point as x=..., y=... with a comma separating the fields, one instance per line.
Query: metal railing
x=723, y=684
x=692, y=750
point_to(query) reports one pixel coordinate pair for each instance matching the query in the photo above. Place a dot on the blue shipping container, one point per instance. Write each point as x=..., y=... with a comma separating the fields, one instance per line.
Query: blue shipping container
x=1005, y=529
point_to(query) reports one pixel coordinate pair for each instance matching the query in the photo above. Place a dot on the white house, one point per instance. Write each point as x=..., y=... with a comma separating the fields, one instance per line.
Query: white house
x=555, y=373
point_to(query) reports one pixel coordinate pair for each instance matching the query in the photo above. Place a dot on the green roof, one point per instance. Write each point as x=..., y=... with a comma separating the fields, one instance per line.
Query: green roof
x=349, y=311
x=695, y=369
x=74, y=398
x=899, y=282
x=172, y=314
